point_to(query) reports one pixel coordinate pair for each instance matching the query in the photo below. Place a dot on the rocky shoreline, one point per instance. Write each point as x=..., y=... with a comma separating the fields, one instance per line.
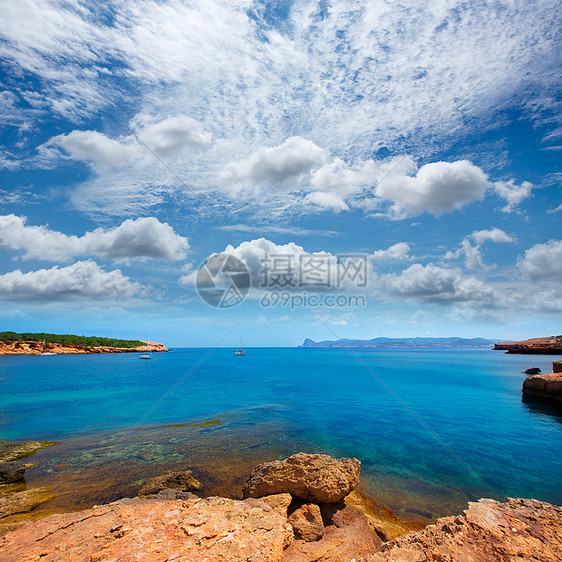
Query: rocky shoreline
x=534, y=346
x=36, y=348
x=546, y=387
x=303, y=508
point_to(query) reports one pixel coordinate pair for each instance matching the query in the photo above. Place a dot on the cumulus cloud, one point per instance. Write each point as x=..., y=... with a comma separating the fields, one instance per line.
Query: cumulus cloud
x=83, y=279
x=470, y=247
x=290, y=267
x=141, y=238
x=399, y=251
x=437, y=284
x=543, y=262
x=168, y=138
x=437, y=188
x=513, y=193
x=293, y=159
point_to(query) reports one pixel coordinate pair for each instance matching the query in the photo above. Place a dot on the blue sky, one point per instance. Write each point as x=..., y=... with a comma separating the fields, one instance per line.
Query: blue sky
x=140, y=138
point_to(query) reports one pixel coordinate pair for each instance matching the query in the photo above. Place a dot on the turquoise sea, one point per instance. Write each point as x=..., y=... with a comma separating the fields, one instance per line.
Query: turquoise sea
x=433, y=428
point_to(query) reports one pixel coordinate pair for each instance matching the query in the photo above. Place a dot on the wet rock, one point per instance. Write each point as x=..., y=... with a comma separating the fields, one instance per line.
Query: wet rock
x=547, y=387
x=347, y=536
x=20, y=502
x=183, y=481
x=11, y=471
x=532, y=371
x=14, y=450
x=306, y=521
x=169, y=494
x=557, y=366
x=518, y=529
x=314, y=478
x=212, y=529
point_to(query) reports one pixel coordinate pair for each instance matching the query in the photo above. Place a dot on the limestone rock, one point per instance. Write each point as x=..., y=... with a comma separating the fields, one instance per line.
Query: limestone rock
x=518, y=529
x=14, y=450
x=183, y=481
x=547, y=387
x=315, y=478
x=306, y=521
x=11, y=471
x=532, y=371
x=213, y=529
x=279, y=502
x=347, y=536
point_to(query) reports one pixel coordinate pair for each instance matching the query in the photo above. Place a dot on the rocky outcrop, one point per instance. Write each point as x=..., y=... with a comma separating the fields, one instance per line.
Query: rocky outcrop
x=11, y=471
x=547, y=387
x=181, y=481
x=534, y=346
x=35, y=348
x=518, y=529
x=14, y=450
x=557, y=366
x=210, y=529
x=314, y=478
x=306, y=521
x=21, y=502
x=532, y=371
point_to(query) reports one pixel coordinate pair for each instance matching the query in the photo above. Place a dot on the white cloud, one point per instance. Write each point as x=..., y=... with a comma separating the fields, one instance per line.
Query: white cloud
x=325, y=200
x=437, y=284
x=437, y=188
x=168, y=138
x=291, y=160
x=555, y=210
x=83, y=279
x=543, y=262
x=472, y=253
x=513, y=193
x=141, y=238
x=399, y=251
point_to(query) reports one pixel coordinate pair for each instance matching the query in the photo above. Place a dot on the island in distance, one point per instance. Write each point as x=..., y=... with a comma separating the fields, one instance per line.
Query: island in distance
x=402, y=342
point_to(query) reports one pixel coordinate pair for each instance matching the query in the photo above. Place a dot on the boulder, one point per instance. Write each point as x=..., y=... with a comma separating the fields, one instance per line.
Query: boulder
x=532, y=371
x=557, y=366
x=306, y=521
x=210, y=529
x=347, y=536
x=313, y=478
x=518, y=529
x=11, y=471
x=279, y=502
x=182, y=481
x=547, y=386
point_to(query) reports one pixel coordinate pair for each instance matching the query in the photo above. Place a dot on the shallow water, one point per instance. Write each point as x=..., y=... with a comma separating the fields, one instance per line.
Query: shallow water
x=434, y=428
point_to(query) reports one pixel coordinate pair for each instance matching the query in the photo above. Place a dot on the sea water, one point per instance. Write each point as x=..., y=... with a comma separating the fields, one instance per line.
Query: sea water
x=433, y=427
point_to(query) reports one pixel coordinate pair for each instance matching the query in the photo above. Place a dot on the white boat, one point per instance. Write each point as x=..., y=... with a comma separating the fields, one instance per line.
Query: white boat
x=43, y=352
x=147, y=354
x=240, y=351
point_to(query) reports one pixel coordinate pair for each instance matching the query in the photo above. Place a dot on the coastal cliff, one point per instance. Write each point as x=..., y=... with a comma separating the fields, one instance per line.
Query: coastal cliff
x=36, y=348
x=545, y=386
x=534, y=346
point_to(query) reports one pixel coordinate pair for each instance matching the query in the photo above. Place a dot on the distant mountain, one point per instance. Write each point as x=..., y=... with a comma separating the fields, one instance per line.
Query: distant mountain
x=402, y=342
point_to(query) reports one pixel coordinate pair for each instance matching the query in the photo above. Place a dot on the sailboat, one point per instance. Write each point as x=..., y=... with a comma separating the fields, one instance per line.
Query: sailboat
x=43, y=352
x=147, y=354
x=240, y=351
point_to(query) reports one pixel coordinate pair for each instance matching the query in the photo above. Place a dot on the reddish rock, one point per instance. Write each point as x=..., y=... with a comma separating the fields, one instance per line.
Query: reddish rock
x=313, y=478
x=557, y=366
x=307, y=524
x=279, y=502
x=547, y=386
x=347, y=536
x=488, y=530
x=213, y=529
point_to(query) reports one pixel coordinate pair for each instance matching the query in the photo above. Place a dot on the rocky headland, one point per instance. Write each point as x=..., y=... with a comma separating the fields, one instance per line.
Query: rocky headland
x=534, y=346
x=300, y=509
x=546, y=386
x=36, y=348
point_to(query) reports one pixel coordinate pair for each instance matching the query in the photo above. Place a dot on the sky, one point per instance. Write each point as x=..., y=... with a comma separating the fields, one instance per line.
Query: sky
x=346, y=169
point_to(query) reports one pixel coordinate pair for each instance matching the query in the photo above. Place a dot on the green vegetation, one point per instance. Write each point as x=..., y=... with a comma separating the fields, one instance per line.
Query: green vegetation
x=69, y=339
